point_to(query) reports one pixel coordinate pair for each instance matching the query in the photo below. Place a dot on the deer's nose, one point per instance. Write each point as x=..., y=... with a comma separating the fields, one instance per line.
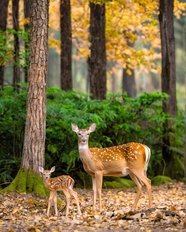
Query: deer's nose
x=83, y=140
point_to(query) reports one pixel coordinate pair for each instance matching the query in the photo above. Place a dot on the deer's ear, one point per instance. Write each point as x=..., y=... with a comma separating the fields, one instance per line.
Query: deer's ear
x=52, y=169
x=41, y=169
x=92, y=127
x=74, y=127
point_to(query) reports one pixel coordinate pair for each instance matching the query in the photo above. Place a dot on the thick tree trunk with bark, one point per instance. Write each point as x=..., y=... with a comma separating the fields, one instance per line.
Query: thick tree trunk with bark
x=3, y=23
x=168, y=79
x=16, y=68
x=97, y=59
x=66, y=45
x=35, y=129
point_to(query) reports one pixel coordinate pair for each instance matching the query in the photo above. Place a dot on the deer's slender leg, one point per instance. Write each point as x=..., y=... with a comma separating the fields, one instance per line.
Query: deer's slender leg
x=51, y=197
x=67, y=195
x=55, y=203
x=99, y=180
x=138, y=183
x=94, y=192
x=75, y=195
x=140, y=178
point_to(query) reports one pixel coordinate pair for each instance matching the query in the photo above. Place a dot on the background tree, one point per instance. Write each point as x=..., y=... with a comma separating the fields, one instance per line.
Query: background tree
x=66, y=45
x=128, y=77
x=27, y=178
x=97, y=59
x=26, y=28
x=128, y=82
x=16, y=68
x=3, y=23
x=168, y=76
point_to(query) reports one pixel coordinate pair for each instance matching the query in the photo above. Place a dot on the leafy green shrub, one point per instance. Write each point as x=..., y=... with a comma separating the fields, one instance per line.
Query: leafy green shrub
x=119, y=120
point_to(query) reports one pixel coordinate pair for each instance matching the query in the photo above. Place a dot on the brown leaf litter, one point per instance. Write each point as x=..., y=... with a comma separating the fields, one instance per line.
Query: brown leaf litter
x=27, y=212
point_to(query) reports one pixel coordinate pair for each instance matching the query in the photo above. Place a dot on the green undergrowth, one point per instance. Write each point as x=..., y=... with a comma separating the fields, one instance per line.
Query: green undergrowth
x=158, y=180
x=119, y=183
x=119, y=119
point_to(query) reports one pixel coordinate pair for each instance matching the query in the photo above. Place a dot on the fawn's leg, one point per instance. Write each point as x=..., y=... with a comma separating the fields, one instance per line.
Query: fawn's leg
x=51, y=197
x=67, y=195
x=55, y=203
x=75, y=195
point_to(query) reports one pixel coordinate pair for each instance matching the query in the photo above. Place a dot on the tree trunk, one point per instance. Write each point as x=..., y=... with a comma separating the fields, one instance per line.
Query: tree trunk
x=185, y=148
x=97, y=59
x=35, y=129
x=128, y=83
x=3, y=23
x=168, y=78
x=16, y=68
x=26, y=27
x=66, y=45
x=114, y=82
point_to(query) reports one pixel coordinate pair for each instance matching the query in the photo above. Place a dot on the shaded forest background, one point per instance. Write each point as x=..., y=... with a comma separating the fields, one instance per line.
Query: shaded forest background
x=119, y=118
x=146, y=80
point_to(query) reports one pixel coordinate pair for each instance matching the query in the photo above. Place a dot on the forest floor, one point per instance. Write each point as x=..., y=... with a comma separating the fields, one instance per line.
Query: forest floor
x=27, y=212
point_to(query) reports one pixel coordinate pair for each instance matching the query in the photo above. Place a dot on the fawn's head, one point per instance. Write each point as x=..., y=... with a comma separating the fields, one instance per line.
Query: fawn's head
x=83, y=134
x=46, y=173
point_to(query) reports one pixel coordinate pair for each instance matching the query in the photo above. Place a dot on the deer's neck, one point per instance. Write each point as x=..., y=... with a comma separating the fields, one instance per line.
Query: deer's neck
x=46, y=183
x=84, y=151
x=83, y=147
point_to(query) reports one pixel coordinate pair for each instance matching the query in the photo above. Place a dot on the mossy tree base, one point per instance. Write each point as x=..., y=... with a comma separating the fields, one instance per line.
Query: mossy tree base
x=27, y=181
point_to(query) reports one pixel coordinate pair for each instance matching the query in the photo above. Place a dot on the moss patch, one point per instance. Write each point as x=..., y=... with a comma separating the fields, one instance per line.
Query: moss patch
x=158, y=180
x=119, y=183
x=27, y=181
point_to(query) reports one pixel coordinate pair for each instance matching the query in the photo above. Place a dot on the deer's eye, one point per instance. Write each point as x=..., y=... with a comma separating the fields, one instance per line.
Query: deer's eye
x=79, y=133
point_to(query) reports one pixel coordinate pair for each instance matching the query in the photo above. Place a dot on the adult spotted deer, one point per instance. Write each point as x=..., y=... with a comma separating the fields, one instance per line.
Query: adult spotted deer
x=127, y=159
x=61, y=183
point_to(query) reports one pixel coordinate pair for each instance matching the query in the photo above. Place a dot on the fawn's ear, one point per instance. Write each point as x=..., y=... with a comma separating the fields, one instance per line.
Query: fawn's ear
x=92, y=127
x=52, y=169
x=41, y=169
x=74, y=127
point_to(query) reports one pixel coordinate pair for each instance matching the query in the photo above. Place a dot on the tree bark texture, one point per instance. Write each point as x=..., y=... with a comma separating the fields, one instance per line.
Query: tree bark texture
x=168, y=75
x=97, y=59
x=35, y=128
x=16, y=68
x=66, y=45
x=3, y=23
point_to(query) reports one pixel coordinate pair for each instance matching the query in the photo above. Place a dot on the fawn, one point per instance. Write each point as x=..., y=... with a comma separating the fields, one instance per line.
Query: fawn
x=61, y=183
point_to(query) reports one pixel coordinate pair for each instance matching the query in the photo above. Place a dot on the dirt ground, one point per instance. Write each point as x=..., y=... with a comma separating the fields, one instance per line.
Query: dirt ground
x=27, y=212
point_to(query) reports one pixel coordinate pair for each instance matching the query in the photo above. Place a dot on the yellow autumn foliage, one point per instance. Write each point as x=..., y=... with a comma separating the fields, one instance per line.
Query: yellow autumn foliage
x=127, y=21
